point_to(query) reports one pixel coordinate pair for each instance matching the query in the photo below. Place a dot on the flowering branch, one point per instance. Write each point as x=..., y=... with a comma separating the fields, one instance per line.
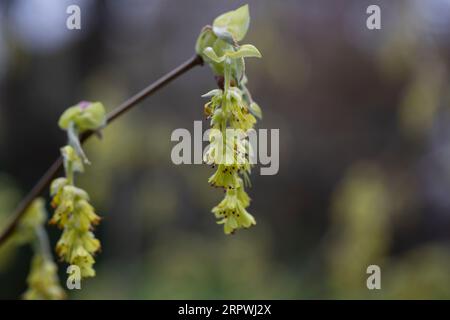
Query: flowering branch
x=126, y=106
x=232, y=113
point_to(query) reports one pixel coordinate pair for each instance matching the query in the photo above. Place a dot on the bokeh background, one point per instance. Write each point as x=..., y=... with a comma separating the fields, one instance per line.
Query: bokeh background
x=364, y=119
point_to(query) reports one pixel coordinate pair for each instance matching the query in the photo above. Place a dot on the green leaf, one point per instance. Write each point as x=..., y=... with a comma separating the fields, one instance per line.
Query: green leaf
x=56, y=185
x=255, y=109
x=68, y=116
x=232, y=25
x=245, y=51
x=92, y=118
x=205, y=39
x=212, y=93
x=235, y=93
x=74, y=142
x=238, y=69
x=224, y=35
x=211, y=54
x=71, y=159
x=85, y=115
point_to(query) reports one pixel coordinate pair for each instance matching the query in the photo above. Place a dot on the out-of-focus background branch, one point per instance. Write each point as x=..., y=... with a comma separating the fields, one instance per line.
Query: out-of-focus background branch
x=364, y=158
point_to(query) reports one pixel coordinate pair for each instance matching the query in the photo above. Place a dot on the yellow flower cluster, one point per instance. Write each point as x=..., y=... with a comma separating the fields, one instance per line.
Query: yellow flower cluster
x=73, y=212
x=43, y=282
x=229, y=151
x=232, y=112
x=76, y=217
x=34, y=217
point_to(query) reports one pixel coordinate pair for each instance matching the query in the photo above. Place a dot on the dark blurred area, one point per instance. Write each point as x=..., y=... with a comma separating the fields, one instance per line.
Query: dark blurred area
x=364, y=121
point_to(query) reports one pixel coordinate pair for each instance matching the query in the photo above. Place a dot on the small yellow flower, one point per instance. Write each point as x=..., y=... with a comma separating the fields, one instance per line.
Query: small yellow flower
x=225, y=177
x=84, y=261
x=215, y=151
x=64, y=203
x=86, y=215
x=34, y=216
x=241, y=118
x=231, y=210
x=56, y=190
x=43, y=282
x=78, y=249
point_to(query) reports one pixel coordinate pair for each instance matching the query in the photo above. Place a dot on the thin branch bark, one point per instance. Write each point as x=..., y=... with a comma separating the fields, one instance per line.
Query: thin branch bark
x=45, y=180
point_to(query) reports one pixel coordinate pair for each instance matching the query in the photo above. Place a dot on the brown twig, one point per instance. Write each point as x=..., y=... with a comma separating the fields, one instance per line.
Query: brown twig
x=45, y=180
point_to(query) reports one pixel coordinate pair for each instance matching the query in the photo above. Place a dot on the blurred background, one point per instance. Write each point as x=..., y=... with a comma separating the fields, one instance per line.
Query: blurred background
x=364, y=119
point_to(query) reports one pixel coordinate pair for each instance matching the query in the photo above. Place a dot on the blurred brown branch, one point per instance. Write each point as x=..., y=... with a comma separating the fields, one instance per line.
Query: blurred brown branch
x=45, y=180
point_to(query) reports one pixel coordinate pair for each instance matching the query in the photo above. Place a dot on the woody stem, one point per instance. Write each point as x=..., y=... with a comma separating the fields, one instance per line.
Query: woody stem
x=126, y=106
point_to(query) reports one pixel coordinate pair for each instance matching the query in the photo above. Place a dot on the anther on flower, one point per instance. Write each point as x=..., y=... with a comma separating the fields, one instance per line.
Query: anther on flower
x=230, y=107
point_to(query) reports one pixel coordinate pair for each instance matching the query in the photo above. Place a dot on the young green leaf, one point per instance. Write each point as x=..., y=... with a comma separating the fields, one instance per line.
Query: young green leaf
x=234, y=23
x=255, y=109
x=85, y=115
x=211, y=54
x=244, y=51
x=238, y=69
x=212, y=93
x=205, y=39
